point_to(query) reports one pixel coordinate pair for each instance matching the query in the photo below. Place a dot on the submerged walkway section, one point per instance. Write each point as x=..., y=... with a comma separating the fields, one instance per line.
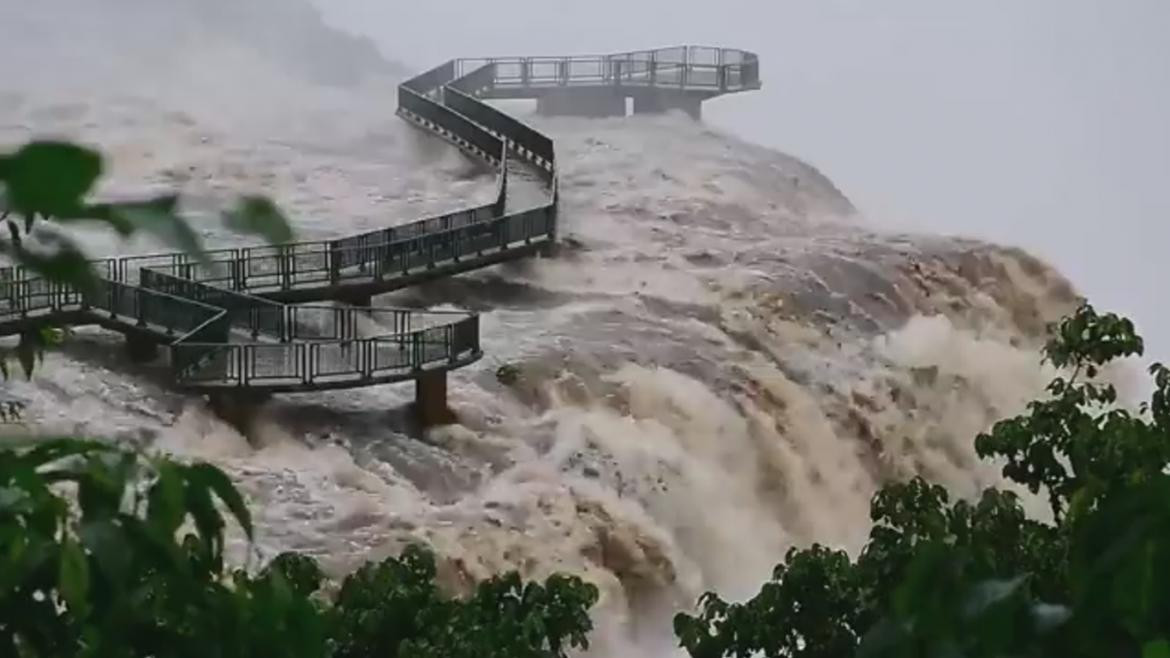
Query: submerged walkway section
x=251, y=320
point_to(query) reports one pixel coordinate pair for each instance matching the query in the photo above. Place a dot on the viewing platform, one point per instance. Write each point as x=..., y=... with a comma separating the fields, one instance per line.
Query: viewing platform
x=245, y=323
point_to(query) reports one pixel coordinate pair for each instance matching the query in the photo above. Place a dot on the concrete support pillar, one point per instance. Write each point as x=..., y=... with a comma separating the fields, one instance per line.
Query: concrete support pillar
x=239, y=408
x=430, y=400
x=141, y=349
x=593, y=103
x=660, y=101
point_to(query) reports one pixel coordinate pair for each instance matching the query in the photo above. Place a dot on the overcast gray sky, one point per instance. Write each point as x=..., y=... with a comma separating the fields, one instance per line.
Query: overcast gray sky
x=1042, y=123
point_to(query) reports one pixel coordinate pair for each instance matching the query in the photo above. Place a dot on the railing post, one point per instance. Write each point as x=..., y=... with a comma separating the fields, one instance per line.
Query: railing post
x=416, y=350
x=284, y=266
x=551, y=225
x=376, y=260
x=140, y=310
x=245, y=264
x=115, y=293
x=237, y=271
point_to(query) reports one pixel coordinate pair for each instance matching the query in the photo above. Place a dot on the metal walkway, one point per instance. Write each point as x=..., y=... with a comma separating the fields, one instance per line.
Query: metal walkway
x=246, y=320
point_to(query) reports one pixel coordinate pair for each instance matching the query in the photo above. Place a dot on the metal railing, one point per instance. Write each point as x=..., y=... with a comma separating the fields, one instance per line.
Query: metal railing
x=695, y=68
x=224, y=333
x=320, y=364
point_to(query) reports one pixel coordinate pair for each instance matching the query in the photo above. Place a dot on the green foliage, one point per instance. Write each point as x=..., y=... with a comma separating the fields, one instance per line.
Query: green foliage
x=47, y=183
x=131, y=563
x=259, y=216
x=49, y=178
x=979, y=579
x=394, y=609
x=301, y=573
x=820, y=604
x=809, y=609
x=104, y=552
x=30, y=351
x=938, y=610
x=507, y=618
x=1119, y=568
x=1076, y=445
x=380, y=604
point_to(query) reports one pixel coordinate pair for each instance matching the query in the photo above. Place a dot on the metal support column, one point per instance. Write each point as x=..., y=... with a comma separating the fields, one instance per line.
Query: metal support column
x=430, y=399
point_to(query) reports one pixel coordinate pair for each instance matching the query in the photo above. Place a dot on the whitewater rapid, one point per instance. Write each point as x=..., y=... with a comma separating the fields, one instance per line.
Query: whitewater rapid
x=723, y=360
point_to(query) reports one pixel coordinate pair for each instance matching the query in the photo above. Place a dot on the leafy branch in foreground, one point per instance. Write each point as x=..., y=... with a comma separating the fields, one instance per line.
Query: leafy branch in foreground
x=105, y=552
x=44, y=187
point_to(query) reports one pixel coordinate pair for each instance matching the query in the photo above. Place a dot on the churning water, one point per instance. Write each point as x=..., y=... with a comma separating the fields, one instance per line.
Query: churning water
x=722, y=361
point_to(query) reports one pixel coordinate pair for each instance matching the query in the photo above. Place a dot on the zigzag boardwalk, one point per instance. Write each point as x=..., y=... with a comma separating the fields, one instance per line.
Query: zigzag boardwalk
x=243, y=326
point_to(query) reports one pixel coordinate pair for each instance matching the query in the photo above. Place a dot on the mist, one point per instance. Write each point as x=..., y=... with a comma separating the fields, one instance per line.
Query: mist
x=727, y=361
x=1040, y=124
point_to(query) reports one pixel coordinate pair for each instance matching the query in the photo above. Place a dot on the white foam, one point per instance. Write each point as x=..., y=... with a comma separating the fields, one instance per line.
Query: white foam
x=683, y=416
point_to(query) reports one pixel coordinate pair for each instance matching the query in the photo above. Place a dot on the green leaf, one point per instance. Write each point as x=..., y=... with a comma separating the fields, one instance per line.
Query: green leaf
x=259, y=216
x=14, y=234
x=157, y=217
x=102, y=485
x=63, y=263
x=73, y=576
x=165, y=500
x=1156, y=649
x=47, y=451
x=11, y=498
x=113, y=554
x=300, y=571
x=987, y=594
x=27, y=351
x=52, y=335
x=217, y=481
x=50, y=177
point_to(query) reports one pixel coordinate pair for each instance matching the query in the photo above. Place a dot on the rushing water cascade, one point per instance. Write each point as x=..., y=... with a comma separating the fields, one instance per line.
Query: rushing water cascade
x=724, y=359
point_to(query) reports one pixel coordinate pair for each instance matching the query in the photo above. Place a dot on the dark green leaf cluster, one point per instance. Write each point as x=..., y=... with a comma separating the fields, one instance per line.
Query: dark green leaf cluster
x=395, y=609
x=131, y=563
x=1076, y=444
x=820, y=604
x=105, y=553
x=809, y=608
x=980, y=579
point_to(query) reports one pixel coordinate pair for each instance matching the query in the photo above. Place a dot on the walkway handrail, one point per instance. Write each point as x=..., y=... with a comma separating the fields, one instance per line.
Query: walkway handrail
x=220, y=312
